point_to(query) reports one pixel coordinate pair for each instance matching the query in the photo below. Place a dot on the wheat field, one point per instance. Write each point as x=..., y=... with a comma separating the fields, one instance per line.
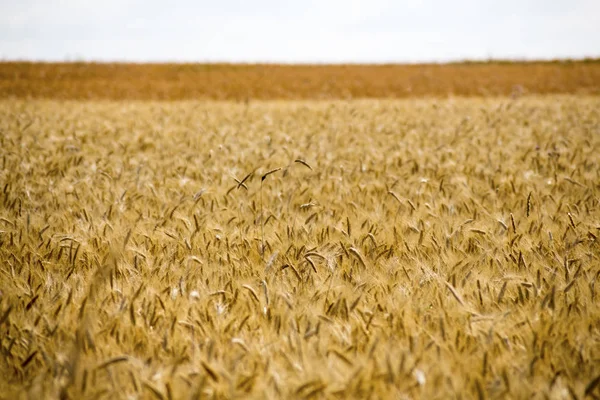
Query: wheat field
x=243, y=82
x=417, y=248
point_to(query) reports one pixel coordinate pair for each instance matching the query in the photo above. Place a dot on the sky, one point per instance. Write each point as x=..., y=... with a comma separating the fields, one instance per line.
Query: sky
x=309, y=31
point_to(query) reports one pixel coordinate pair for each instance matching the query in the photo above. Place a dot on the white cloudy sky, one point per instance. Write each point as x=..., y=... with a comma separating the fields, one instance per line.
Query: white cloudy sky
x=298, y=31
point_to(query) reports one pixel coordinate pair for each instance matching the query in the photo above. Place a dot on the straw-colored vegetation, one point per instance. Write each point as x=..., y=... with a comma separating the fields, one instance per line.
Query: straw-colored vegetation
x=345, y=249
x=241, y=82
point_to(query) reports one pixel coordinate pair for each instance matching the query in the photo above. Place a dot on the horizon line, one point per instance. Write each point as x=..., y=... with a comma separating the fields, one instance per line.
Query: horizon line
x=452, y=61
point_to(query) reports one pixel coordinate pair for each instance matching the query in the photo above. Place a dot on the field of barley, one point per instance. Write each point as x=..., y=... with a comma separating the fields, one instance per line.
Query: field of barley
x=417, y=248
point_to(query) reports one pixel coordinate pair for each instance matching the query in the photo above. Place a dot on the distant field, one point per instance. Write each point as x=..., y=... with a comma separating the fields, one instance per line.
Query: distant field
x=422, y=248
x=246, y=82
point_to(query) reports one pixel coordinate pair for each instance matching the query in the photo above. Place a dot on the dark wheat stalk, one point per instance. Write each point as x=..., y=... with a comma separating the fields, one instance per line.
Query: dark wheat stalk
x=262, y=224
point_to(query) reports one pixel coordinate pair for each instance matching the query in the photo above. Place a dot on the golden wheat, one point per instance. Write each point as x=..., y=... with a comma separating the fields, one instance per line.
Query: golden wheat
x=404, y=249
x=245, y=82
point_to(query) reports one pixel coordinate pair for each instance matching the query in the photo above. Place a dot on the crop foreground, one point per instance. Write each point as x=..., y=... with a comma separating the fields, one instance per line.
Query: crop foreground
x=406, y=248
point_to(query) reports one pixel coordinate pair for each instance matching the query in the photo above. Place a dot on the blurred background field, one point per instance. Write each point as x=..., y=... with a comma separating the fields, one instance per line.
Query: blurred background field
x=241, y=82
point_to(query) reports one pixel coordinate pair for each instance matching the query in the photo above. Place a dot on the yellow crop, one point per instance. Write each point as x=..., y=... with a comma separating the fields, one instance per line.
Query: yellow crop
x=414, y=248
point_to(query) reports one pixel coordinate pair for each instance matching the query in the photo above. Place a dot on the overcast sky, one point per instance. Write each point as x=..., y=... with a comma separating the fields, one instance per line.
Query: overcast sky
x=298, y=31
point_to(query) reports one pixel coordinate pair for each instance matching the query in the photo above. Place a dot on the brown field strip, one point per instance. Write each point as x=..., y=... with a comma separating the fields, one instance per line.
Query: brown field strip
x=244, y=82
